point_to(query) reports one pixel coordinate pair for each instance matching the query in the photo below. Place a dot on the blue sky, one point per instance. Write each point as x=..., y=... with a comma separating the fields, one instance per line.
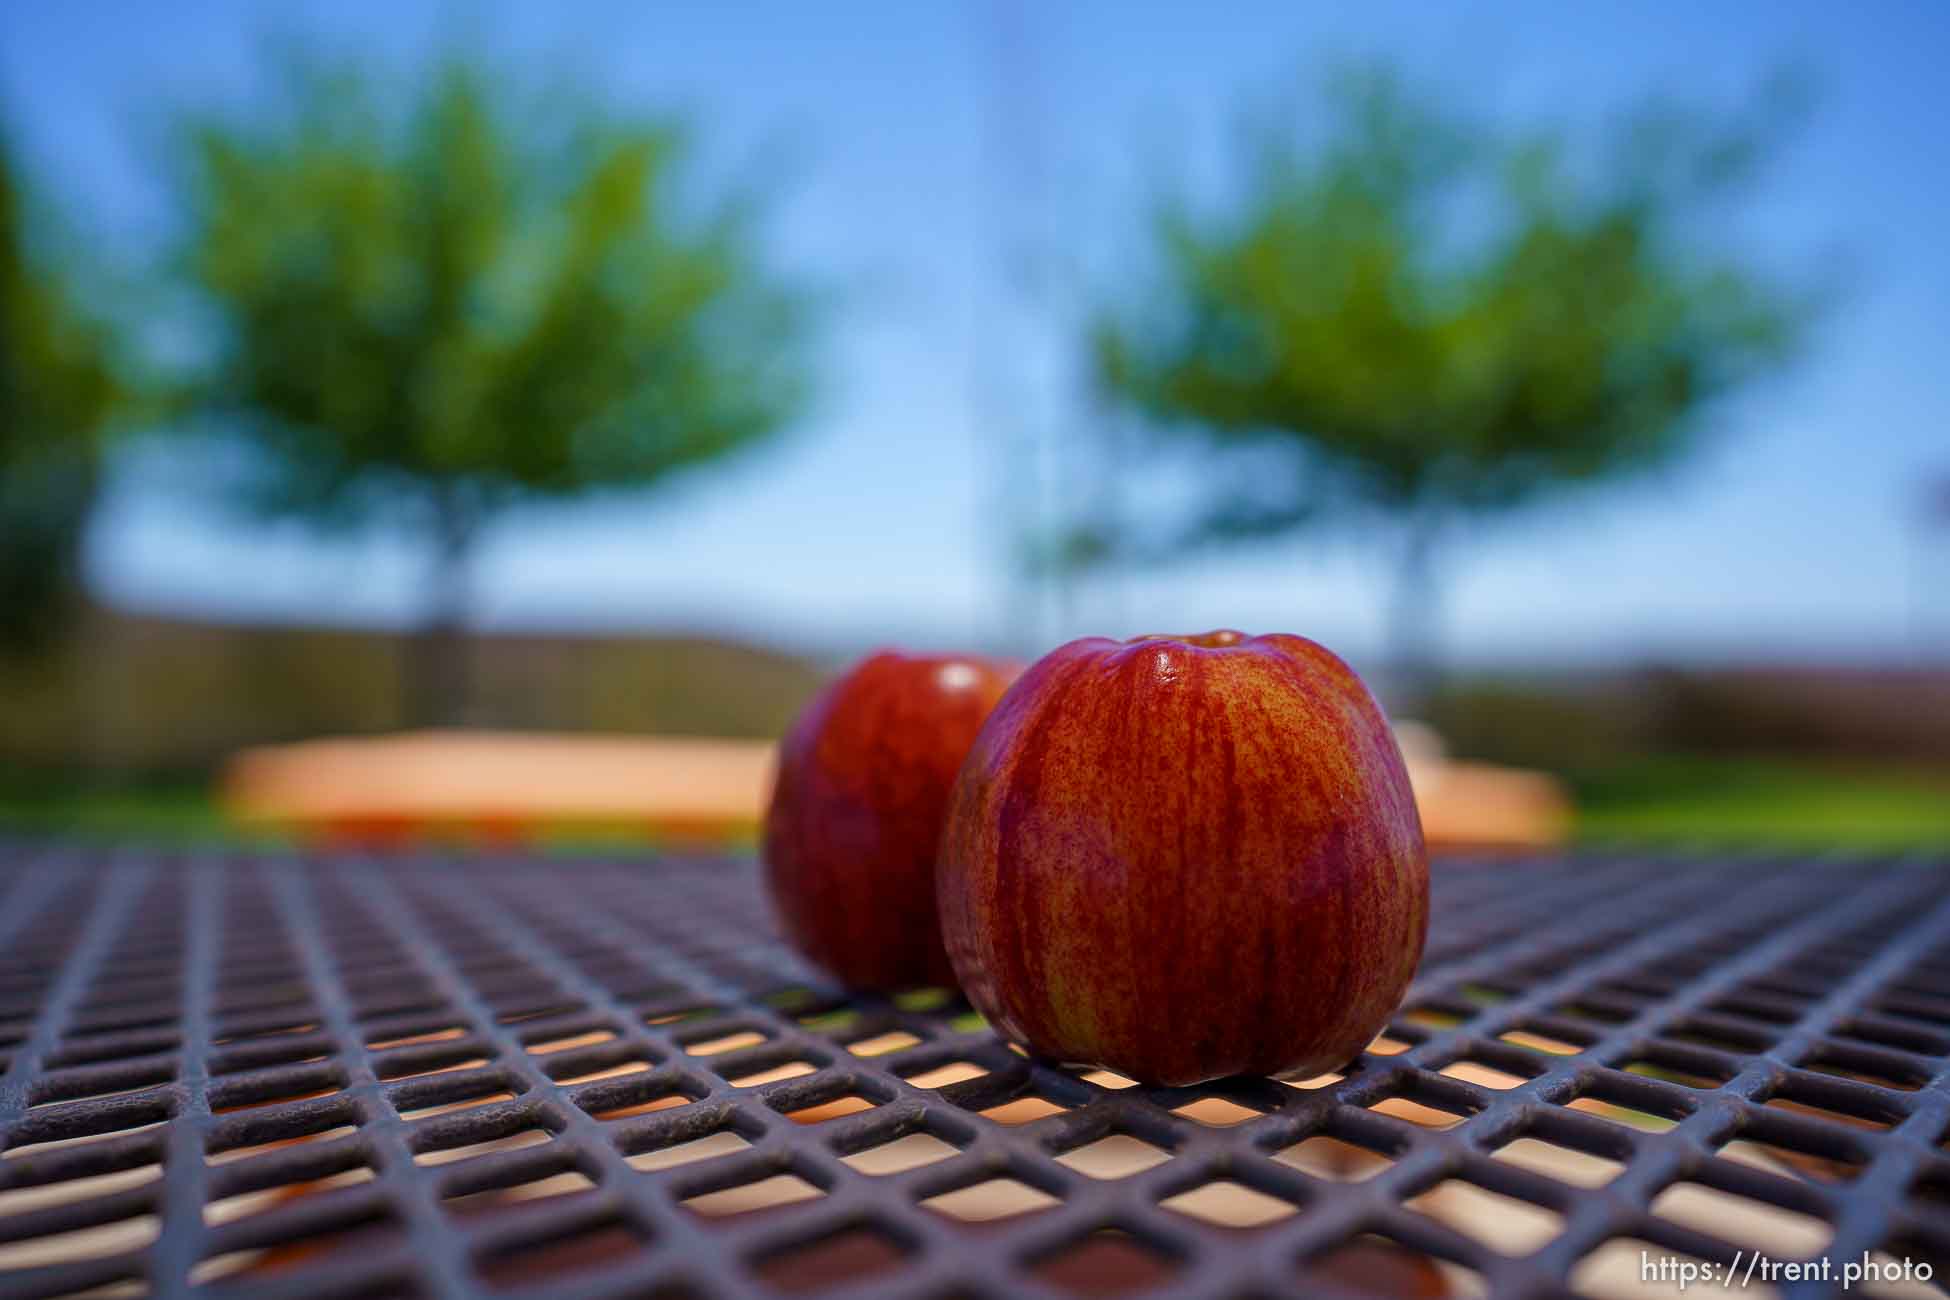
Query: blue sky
x=1793, y=535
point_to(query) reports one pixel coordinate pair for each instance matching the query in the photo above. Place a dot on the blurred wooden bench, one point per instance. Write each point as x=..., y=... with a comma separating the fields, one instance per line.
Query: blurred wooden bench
x=508, y=785
x=514, y=785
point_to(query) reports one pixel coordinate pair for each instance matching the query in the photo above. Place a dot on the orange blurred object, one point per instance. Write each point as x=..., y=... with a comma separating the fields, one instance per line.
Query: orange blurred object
x=506, y=787
x=502, y=787
x=1468, y=805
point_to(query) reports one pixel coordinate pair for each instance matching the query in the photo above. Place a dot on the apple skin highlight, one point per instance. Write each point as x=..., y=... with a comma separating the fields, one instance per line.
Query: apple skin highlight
x=1186, y=858
x=856, y=813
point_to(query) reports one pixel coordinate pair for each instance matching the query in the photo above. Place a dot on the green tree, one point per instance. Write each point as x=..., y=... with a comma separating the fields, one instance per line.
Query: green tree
x=440, y=303
x=1412, y=317
x=59, y=393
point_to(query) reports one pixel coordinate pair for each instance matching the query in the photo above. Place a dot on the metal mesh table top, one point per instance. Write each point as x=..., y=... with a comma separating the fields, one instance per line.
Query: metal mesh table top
x=508, y=1075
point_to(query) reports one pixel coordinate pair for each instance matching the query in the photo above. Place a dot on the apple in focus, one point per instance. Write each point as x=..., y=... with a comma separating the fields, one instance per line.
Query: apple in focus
x=855, y=819
x=1186, y=857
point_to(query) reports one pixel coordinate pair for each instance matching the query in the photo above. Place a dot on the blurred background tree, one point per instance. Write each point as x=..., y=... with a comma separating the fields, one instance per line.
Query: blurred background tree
x=1410, y=316
x=59, y=392
x=438, y=306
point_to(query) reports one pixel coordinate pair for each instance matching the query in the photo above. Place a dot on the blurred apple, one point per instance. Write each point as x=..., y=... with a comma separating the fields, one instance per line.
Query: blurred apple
x=856, y=813
x=1184, y=858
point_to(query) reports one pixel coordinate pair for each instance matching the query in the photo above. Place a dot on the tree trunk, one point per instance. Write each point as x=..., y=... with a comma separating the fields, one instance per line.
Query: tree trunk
x=1415, y=617
x=438, y=677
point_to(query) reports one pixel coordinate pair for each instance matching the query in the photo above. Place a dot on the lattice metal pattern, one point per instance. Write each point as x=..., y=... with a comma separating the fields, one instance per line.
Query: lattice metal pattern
x=348, y=1076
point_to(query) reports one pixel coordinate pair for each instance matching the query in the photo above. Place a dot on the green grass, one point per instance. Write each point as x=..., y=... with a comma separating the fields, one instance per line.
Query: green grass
x=1771, y=800
x=173, y=812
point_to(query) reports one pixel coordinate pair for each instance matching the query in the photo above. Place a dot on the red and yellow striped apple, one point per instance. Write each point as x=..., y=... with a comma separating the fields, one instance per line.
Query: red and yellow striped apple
x=1184, y=858
x=856, y=813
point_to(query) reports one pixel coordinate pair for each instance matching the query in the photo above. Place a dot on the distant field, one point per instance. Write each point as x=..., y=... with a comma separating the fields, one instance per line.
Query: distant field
x=174, y=812
x=1752, y=800
x=1798, y=800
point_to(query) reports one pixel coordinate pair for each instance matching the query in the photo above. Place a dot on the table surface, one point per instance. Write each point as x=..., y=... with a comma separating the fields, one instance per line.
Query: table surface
x=566, y=1076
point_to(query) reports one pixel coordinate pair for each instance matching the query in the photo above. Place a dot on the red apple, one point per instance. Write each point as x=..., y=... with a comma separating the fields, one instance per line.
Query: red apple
x=1184, y=858
x=856, y=814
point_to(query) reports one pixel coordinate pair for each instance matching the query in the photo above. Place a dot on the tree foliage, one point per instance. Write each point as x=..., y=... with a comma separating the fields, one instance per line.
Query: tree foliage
x=59, y=389
x=1414, y=315
x=438, y=304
